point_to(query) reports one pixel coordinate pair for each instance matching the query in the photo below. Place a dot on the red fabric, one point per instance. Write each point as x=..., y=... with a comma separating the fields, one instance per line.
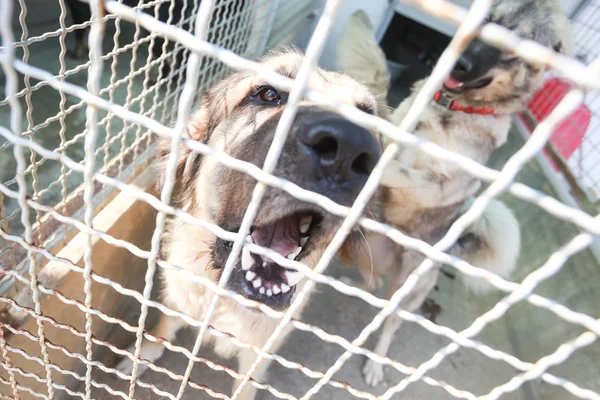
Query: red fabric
x=454, y=106
x=568, y=136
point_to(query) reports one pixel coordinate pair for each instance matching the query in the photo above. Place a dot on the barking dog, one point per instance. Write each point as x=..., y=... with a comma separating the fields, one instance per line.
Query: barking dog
x=470, y=115
x=324, y=153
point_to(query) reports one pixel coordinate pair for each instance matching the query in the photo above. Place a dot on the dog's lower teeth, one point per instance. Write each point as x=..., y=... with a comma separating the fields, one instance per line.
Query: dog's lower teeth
x=262, y=290
x=293, y=277
x=257, y=283
x=284, y=288
x=269, y=293
x=276, y=290
x=250, y=275
x=247, y=259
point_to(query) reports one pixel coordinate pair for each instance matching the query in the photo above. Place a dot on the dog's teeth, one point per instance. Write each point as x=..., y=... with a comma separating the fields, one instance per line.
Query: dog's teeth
x=264, y=264
x=293, y=277
x=247, y=259
x=276, y=289
x=249, y=238
x=261, y=290
x=305, y=224
x=294, y=254
x=269, y=293
x=257, y=283
x=303, y=241
x=250, y=275
x=284, y=288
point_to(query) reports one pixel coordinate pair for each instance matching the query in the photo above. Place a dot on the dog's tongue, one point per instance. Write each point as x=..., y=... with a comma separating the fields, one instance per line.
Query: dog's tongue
x=281, y=236
x=452, y=83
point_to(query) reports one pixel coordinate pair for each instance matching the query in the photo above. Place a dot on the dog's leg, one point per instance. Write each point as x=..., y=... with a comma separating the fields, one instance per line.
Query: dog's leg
x=246, y=358
x=374, y=259
x=372, y=370
x=166, y=328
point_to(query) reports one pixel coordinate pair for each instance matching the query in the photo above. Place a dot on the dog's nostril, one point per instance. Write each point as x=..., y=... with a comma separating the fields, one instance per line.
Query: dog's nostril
x=362, y=164
x=326, y=148
x=338, y=150
x=463, y=64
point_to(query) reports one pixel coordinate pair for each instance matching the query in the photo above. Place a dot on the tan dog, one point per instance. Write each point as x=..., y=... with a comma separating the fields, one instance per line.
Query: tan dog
x=423, y=195
x=324, y=153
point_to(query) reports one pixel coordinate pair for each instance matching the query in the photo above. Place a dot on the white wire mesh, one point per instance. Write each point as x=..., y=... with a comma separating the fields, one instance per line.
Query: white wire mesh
x=214, y=48
x=578, y=140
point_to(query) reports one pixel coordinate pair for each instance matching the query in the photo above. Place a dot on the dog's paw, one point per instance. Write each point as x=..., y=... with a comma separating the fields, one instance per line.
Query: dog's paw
x=150, y=351
x=373, y=372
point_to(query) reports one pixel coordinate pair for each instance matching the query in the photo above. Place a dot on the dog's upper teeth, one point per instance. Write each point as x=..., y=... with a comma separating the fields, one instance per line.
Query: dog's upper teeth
x=250, y=275
x=276, y=289
x=269, y=293
x=295, y=253
x=293, y=277
x=264, y=264
x=303, y=241
x=247, y=259
x=285, y=288
x=262, y=290
x=257, y=283
x=305, y=224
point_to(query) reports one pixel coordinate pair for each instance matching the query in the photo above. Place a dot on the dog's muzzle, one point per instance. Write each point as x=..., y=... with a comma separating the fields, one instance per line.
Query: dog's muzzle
x=324, y=153
x=334, y=156
x=339, y=149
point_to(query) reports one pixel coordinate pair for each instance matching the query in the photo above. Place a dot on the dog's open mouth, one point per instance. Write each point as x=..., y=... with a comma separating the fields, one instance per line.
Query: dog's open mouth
x=262, y=278
x=454, y=85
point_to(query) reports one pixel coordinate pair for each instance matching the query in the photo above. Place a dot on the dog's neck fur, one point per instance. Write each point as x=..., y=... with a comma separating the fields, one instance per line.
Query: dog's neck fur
x=421, y=185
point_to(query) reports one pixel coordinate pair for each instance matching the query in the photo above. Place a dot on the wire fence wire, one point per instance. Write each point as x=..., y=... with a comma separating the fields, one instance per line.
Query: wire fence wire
x=209, y=49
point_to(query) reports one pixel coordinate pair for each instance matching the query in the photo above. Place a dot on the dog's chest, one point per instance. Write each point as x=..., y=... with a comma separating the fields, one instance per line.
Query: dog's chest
x=471, y=136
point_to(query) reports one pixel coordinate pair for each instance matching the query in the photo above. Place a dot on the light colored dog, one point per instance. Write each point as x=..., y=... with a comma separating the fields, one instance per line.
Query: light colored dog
x=324, y=153
x=471, y=115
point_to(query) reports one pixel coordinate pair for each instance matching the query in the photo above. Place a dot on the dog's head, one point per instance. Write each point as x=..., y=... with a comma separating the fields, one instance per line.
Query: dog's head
x=484, y=76
x=324, y=153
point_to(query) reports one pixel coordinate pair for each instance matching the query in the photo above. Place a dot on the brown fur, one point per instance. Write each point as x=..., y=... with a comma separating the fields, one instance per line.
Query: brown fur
x=220, y=195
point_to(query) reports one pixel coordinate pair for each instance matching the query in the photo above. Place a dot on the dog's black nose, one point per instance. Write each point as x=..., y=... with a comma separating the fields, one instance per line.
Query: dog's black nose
x=343, y=150
x=463, y=65
x=477, y=59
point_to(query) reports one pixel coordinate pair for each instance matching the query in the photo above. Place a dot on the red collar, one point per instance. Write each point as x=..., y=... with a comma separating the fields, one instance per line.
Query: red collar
x=450, y=104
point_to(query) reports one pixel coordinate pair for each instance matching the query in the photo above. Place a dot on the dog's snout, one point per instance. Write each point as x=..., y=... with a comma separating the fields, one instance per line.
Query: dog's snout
x=476, y=61
x=464, y=64
x=343, y=150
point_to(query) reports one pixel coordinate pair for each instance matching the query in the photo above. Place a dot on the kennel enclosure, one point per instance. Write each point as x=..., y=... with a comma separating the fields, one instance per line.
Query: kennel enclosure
x=79, y=208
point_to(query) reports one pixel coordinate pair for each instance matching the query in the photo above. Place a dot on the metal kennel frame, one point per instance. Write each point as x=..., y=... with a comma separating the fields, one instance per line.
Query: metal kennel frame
x=207, y=49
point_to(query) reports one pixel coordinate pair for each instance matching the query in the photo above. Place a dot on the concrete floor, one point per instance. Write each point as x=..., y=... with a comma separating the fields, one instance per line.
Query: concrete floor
x=525, y=331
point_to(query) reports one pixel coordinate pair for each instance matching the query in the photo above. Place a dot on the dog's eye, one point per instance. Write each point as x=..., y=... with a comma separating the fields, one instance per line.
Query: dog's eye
x=266, y=94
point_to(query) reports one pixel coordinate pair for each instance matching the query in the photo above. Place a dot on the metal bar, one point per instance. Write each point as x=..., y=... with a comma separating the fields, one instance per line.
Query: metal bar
x=96, y=36
x=15, y=123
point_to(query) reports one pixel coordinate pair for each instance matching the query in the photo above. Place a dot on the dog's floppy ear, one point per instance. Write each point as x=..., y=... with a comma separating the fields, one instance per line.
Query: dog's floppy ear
x=359, y=55
x=188, y=161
